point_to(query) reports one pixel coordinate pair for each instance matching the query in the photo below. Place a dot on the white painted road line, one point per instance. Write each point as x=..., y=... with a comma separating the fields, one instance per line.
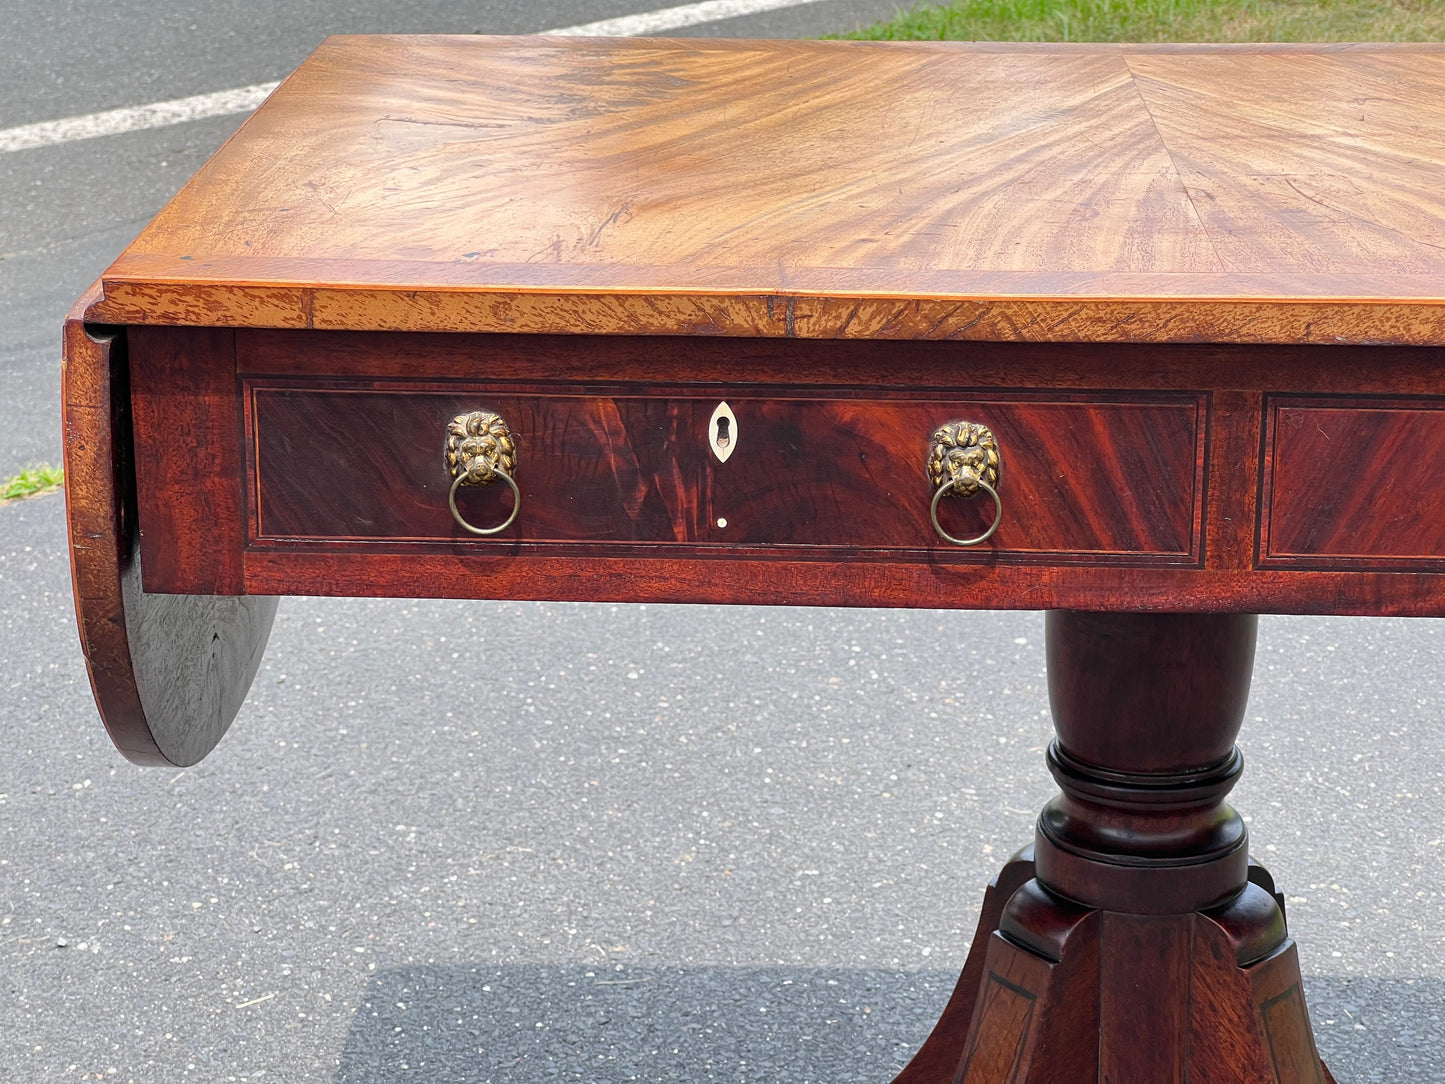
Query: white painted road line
x=134, y=118
x=223, y=103
x=650, y=22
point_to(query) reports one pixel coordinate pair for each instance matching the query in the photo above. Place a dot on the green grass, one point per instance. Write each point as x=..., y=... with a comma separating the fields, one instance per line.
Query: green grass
x=1166, y=20
x=30, y=481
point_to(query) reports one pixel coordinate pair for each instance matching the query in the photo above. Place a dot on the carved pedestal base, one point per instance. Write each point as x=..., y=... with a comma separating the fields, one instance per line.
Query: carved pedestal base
x=1101, y=997
x=1134, y=943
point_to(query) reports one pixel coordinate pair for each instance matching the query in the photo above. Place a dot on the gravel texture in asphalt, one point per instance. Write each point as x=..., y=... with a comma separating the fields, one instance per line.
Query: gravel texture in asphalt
x=469, y=841
x=517, y=843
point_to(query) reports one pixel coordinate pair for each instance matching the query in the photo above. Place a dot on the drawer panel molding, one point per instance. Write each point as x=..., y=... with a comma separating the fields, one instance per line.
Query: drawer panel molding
x=1353, y=483
x=1096, y=476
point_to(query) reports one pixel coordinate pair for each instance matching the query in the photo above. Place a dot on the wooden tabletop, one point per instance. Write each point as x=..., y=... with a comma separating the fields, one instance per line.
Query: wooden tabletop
x=820, y=189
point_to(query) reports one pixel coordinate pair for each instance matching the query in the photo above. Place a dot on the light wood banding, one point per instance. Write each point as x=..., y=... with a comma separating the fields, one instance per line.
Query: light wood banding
x=820, y=190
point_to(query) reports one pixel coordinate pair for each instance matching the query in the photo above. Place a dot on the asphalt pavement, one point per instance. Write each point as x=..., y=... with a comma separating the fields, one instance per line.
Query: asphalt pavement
x=470, y=841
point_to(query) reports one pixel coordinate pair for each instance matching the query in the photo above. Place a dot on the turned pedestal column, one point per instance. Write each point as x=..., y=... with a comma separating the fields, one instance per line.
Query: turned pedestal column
x=1135, y=942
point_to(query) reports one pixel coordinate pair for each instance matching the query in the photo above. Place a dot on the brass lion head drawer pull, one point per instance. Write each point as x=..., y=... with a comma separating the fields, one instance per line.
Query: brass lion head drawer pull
x=962, y=460
x=480, y=450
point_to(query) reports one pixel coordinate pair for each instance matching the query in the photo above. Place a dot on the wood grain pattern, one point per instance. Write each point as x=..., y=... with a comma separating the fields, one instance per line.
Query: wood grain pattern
x=189, y=470
x=1352, y=482
x=385, y=571
x=1115, y=480
x=169, y=672
x=1144, y=965
x=1003, y=1039
x=1157, y=1000
x=1296, y=165
x=1045, y=1022
x=1289, y=1038
x=819, y=190
x=571, y=359
x=1230, y=578
x=1232, y=489
x=1245, y=1024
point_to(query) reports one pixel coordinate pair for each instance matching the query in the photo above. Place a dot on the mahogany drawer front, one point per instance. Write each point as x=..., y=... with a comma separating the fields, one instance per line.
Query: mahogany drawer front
x=1353, y=483
x=1086, y=476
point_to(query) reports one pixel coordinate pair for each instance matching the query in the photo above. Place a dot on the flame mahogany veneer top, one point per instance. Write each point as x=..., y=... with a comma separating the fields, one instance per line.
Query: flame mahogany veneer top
x=820, y=189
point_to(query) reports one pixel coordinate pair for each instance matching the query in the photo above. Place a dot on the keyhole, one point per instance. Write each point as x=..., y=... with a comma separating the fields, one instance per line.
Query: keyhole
x=723, y=432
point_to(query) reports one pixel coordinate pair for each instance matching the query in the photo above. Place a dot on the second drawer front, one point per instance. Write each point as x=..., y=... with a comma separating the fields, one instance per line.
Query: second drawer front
x=1352, y=483
x=1098, y=477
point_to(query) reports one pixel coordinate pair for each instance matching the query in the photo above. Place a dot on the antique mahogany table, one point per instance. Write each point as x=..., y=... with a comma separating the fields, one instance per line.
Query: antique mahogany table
x=1148, y=337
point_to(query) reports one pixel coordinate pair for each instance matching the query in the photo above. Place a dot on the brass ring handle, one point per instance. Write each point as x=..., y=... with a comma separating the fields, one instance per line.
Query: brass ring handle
x=479, y=450
x=461, y=520
x=946, y=488
x=963, y=458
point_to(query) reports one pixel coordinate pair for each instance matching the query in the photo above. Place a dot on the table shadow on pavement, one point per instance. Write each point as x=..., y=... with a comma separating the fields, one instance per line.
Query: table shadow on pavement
x=518, y=1024
x=1374, y=1030
x=478, y=1024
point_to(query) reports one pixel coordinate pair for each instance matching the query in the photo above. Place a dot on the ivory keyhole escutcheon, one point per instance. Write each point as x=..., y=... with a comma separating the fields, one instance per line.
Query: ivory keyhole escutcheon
x=722, y=432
